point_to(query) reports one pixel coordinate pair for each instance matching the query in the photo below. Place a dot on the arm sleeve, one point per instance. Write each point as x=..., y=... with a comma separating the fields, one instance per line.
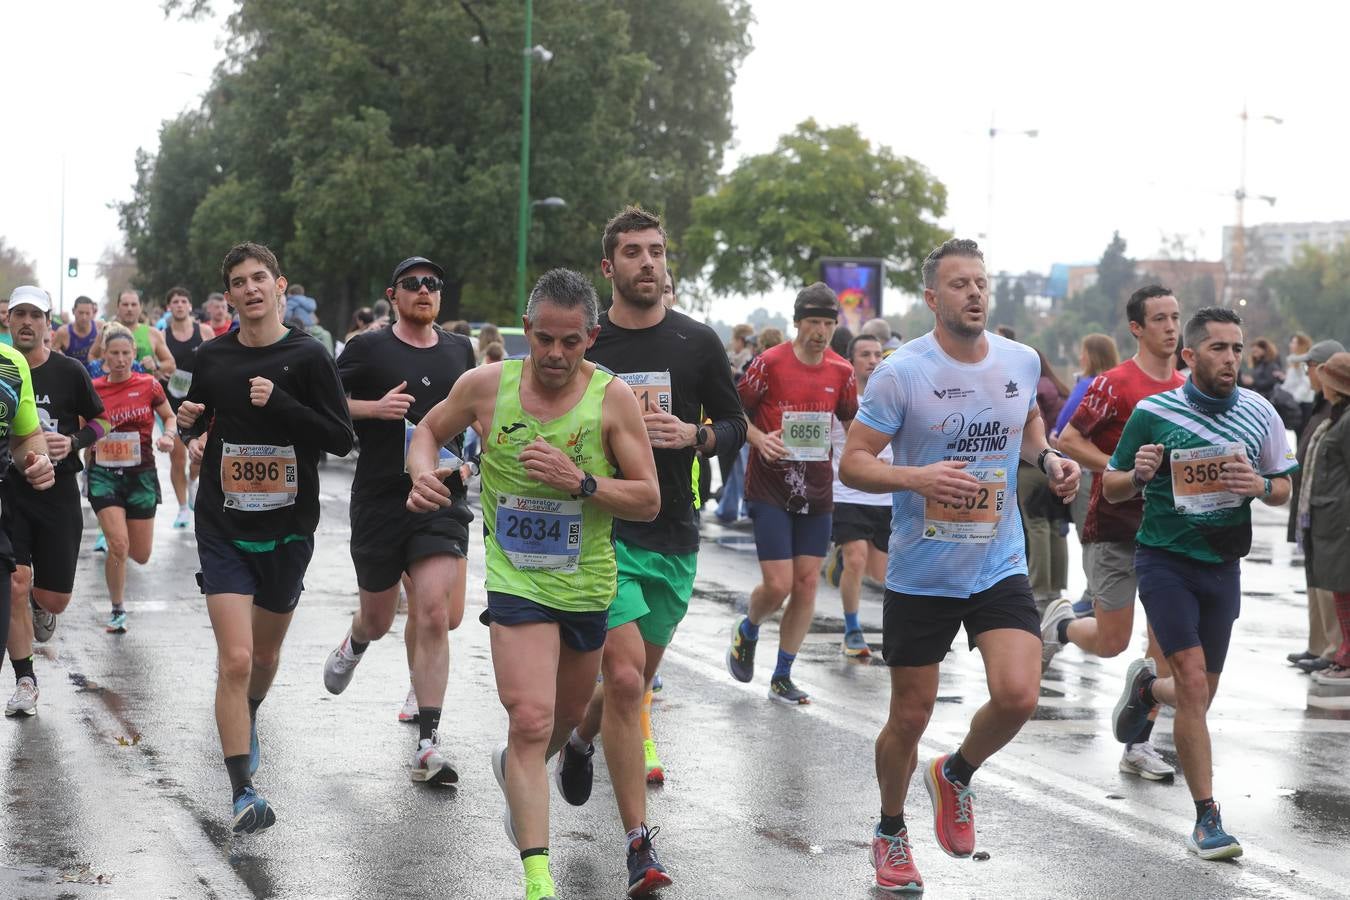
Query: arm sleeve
x=323, y=421
x=722, y=403
x=1135, y=435
x=197, y=394
x=883, y=402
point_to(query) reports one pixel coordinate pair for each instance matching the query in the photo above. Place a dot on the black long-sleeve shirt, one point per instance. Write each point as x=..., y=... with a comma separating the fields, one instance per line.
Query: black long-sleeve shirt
x=691, y=354
x=274, y=449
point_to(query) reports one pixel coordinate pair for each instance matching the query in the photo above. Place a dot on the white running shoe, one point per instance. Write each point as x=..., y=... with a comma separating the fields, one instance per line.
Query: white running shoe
x=192, y=493
x=341, y=665
x=1059, y=610
x=409, y=711
x=24, y=699
x=44, y=623
x=1143, y=760
x=429, y=765
x=499, y=770
x=183, y=519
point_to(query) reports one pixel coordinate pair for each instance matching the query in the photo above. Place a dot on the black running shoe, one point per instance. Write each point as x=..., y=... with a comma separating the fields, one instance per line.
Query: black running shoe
x=1131, y=711
x=574, y=774
x=645, y=872
x=741, y=655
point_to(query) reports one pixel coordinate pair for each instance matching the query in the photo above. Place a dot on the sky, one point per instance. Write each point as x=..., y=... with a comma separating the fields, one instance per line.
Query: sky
x=1136, y=108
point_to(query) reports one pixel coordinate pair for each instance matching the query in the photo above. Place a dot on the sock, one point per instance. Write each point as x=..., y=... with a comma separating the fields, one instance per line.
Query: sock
x=749, y=630
x=358, y=647
x=577, y=743
x=535, y=861
x=1202, y=807
x=784, y=668
x=23, y=668
x=646, y=716
x=428, y=720
x=237, y=766
x=1062, y=631
x=958, y=770
x=253, y=708
x=891, y=825
x=634, y=837
x=1143, y=735
x=851, y=622
x=118, y=608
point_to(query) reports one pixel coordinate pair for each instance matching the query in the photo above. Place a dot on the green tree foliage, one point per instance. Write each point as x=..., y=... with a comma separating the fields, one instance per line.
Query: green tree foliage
x=1314, y=292
x=346, y=141
x=15, y=269
x=821, y=192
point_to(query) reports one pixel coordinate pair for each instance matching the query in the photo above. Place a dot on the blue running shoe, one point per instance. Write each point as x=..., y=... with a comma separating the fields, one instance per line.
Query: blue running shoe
x=645, y=872
x=254, y=751
x=1131, y=711
x=100, y=544
x=1082, y=608
x=252, y=813
x=657, y=683
x=1208, y=840
x=117, y=622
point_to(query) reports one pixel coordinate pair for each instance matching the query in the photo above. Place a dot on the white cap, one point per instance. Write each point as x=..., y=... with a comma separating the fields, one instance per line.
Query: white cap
x=32, y=296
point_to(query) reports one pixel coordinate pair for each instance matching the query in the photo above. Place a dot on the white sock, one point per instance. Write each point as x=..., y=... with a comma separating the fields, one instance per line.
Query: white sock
x=577, y=743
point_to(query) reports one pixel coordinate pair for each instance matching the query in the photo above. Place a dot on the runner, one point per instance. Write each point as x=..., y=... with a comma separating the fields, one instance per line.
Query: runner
x=792, y=392
x=273, y=402
x=560, y=429
x=217, y=311
x=1216, y=447
x=1108, y=533
x=393, y=377
x=861, y=525
x=151, y=353
x=183, y=336
x=76, y=337
x=958, y=407
x=676, y=366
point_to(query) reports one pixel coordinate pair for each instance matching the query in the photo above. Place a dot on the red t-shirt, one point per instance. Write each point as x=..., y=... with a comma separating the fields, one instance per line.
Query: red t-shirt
x=130, y=406
x=1101, y=418
x=777, y=382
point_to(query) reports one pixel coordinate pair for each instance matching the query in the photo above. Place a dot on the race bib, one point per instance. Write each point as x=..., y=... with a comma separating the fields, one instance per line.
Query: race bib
x=258, y=477
x=972, y=521
x=1195, y=478
x=652, y=390
x=806, y=435
x=119, y=450
x=447, y=460
x=539, y=534
x=179, y=382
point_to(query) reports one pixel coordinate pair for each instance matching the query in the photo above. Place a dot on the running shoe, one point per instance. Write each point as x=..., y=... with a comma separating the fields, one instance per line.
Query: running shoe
x=741, y=654
x=100, y=543
x=894, y=862
x=44, y=623
x=1332, y=675
x=656, y=773
x=575, y=773
x=540, y=889
x=855, y=645
x=657, y=684
x=1310, y=666
x=254, y=748
x=183, y=519
x=953, y=810
x=252, y=813
x=1143, y=760
x=499, y=771
x=117, y=622
x=1060, y=610
x=784, y=691
x=192, y=493
x=24, y=700
x=1299, y=657
x=341, y=665
x=645, y=872
x=1131, y=711
x=409, y=711
x=1083, y=608
x=1208, y=840
x=834, y=566
x=429, y=765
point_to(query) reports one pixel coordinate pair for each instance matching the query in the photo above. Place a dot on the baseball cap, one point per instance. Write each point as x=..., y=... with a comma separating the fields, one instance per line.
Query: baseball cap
x=411, y=263
x=1317, y=354
x=31, y=296
x=815, y=301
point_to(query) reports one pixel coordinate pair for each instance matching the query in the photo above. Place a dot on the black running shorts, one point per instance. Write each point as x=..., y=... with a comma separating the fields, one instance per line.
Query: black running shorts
x=918, y=630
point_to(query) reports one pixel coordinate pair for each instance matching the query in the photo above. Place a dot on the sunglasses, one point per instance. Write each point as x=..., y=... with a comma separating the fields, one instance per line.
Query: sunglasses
x=413, y=283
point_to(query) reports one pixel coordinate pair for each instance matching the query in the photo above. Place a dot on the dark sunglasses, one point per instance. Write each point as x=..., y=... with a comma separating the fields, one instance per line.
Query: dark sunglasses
x=413, y=283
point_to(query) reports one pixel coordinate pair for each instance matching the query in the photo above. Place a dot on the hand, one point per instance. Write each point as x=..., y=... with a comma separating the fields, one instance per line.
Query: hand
x=164, y=443
x=771, y=446
x=58, y=445
x=149, y=363
x=668, y=432
x=1240, y=478
x=188, y=413
x=429, y=492
x=197, y=449
x=1063, y=474
x=259, y=391
x=37, y=468
x=394, y=405
x=1146, y=462
x=945, y=482
x=549, y=466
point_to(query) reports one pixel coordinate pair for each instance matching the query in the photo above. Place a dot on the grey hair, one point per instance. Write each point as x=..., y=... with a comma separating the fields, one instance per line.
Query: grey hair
x=953, y=247
x=567, y=289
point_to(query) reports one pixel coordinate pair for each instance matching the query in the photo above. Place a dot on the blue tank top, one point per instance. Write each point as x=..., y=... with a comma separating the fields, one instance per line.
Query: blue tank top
x=78, y=347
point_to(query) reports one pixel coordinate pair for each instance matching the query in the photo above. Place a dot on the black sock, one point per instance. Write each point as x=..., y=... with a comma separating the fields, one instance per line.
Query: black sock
x=1143, y=735
x=891, y=825
x=23, y=668
x=958, y=770
x=358, y=647
x=237, y=766
x=534, y=851
x=118, y=608
x=1062, y=630
x=253, y=708
x=1202, y=807
x=428, y=720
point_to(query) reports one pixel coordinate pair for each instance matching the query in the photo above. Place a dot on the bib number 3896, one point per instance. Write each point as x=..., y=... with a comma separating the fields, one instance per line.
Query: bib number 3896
x=258, y=477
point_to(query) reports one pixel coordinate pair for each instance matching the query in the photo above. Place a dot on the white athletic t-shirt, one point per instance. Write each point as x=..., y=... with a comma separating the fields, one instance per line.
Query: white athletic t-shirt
x=842, y=492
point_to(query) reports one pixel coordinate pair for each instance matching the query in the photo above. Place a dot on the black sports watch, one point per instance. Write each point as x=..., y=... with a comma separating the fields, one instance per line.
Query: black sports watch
x=588, y=486
x=700, y=436
x=1040, y=460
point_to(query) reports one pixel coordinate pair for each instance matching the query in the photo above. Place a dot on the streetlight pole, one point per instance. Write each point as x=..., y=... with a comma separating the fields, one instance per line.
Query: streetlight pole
x=523, y=220
x=61, y=301
x=989, y=195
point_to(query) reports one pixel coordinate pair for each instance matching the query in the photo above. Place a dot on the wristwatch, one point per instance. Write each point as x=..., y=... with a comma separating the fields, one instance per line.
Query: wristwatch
x=1270, y=486
x=588, y=487
x=1040, y=460
x=700, y=436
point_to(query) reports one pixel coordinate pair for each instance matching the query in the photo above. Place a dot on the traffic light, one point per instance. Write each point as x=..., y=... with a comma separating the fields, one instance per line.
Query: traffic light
x=73, y=268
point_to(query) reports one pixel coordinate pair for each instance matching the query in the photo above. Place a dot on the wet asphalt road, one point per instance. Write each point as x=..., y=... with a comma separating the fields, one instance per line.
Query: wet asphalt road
x=118, y=778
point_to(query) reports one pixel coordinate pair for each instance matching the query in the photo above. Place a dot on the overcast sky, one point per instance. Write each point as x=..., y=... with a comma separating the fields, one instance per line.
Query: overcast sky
x=1136, y=106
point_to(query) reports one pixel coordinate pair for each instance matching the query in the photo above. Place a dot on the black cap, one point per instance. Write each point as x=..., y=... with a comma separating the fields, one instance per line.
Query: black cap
x=413, y=262
x=815, y=301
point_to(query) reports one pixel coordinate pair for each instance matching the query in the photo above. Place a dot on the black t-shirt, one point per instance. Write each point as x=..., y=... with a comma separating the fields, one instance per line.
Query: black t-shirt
x=700, y=385
x=64, y=394
x=274, y=449
x=372, y=364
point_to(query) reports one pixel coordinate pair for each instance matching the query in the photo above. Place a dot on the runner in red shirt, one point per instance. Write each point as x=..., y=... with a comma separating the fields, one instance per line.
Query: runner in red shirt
x=791, y=393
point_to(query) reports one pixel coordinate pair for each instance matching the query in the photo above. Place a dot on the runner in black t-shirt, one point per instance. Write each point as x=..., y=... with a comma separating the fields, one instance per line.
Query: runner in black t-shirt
x=273, y=403
x=393, y=376
x=678, y=370
x=183, y=335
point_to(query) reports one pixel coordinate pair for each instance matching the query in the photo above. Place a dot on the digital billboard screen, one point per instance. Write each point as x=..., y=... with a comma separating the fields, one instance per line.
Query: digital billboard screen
x=857, y=283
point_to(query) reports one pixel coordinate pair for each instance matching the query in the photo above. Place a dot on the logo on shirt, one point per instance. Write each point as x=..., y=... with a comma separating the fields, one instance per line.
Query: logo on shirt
x=512, y=428
x=1010, y=389
x=954, y=393
x=133, y=393
x=426, y=381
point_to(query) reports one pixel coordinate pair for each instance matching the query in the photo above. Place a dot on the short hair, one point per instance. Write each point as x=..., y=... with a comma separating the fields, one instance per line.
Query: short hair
x=214, y=295
x=840, y=340
x=462, y=327
x=295, y=289
x=83, y=299
x=1135, y=307
x=952, y=247
x=494, y=352
x=770, y=336
x=743, y=331
x=858, y=339
x=569, y=290
x=175, y=291
x=1197, y=327
x=115, y=331
x=132, y=291
x=248, y=250
x=879, y=328
x=630, y=218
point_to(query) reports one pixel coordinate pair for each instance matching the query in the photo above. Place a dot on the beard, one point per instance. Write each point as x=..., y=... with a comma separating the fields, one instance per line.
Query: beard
x=629, y=290
x=956, y=324
x=419, y=316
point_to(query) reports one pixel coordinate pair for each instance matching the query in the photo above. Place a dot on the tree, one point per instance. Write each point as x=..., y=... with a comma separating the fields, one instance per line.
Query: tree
x=1314, y=291
x=15, y=269
x=821, y=192
x=117, y=267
